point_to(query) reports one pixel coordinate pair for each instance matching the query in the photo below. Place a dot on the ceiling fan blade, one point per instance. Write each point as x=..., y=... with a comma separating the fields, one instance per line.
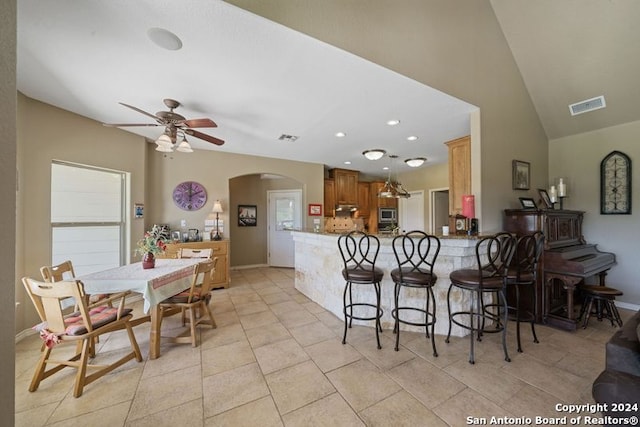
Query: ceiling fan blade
x=204, y=136
x=154, y=117
x=124, y=125
x=199, y=123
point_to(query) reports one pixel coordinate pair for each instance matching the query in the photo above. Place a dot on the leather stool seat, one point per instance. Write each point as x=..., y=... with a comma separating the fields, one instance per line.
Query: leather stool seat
x=603, y=297
x=360, y=275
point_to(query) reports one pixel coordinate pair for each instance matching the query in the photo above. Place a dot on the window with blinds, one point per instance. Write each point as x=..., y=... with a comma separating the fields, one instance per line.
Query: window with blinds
x=87, y=216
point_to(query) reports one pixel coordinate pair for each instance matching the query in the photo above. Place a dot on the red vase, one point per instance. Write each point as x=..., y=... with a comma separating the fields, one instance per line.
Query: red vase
x=148, y=260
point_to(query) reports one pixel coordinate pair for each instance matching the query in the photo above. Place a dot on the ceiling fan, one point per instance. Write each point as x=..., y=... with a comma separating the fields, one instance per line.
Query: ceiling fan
x=174, y=123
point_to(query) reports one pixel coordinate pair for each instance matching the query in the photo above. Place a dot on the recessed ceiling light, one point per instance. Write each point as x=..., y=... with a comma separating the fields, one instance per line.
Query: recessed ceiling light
x=416, y=161
x=341, y=134
x=393, y=122
x=347, y=162
x=386, y=168
x=412, y=138
x=164, y=38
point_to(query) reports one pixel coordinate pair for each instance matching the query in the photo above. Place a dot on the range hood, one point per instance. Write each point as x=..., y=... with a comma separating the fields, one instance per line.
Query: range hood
x=346, y=208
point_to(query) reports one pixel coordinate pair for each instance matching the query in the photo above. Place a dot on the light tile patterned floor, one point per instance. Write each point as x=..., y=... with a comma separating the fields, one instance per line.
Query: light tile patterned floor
x=276, y=359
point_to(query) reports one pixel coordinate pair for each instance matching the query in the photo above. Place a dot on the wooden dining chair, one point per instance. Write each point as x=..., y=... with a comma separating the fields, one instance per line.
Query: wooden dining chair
x=64, y=271
x=194, y=301
x=81, y=327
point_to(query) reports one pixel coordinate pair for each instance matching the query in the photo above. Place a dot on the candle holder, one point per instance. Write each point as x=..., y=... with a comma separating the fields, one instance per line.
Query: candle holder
x=561, y=199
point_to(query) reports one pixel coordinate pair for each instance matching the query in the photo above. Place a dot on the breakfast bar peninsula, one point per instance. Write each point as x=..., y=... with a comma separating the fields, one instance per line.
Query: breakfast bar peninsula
x=318, y=267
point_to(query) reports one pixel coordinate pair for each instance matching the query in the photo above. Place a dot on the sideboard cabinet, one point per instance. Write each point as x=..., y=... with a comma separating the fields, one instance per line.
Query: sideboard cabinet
x=220, y=249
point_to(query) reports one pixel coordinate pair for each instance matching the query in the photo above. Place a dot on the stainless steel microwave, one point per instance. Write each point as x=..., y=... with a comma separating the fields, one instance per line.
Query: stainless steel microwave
x=387, y=215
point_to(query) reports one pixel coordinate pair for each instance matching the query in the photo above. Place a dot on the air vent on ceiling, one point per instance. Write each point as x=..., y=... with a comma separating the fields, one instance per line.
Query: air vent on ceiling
x=587, y=105
x=285, y=137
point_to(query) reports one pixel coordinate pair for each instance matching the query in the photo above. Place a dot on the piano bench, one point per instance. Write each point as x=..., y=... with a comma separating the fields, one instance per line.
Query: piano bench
x=603, y=297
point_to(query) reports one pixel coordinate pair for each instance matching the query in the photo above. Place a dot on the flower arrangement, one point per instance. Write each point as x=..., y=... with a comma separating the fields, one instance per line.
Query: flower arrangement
x=154, y=241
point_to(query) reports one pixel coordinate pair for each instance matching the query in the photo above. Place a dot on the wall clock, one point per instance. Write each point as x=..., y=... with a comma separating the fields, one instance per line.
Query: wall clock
x=189, y=195
x=615, y=184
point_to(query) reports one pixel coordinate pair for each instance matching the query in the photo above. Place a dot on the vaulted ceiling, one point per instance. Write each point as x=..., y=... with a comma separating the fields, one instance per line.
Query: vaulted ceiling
x=259, y=80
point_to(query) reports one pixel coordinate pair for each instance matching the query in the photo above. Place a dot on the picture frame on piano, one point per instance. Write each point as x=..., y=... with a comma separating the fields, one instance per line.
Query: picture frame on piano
x=544, y=196
x=528, y=203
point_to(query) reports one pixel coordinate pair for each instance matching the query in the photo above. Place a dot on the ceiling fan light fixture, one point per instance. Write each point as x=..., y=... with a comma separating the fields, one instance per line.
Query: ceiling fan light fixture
x=184, y=147
x=164, y=140
x=164, y=149
x=415, y=162
x=374, y=154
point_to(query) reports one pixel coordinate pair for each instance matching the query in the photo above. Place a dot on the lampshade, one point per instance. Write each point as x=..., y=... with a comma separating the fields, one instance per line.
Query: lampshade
x=164, y=149
x=164, y=140
x=184, y=146
x=217, y=207
x=374, y=154
x=415, y=162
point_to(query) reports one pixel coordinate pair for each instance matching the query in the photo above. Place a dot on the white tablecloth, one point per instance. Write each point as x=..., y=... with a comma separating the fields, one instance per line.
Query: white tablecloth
x=169, y=277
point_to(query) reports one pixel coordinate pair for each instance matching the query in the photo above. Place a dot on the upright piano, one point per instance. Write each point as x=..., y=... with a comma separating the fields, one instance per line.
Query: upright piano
x=567, y=260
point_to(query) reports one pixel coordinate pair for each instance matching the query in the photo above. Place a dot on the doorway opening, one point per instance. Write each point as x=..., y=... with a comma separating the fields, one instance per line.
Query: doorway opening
x=439, y=200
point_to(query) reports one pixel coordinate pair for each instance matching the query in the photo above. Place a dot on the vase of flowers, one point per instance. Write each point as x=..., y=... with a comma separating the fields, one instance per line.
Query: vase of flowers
x=152, y=244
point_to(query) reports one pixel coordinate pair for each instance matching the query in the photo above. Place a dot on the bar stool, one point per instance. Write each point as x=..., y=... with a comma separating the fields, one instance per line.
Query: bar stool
x=603, y=296
x=416, y=254
x=493, y=256
x=359, y=252
x=522, y=275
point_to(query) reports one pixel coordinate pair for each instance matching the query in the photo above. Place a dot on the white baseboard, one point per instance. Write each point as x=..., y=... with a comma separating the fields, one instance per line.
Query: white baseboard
x=628, y=305
x=246, y=267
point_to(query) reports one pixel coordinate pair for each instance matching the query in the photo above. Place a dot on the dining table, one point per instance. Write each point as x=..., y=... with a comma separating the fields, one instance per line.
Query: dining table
x=168, y=278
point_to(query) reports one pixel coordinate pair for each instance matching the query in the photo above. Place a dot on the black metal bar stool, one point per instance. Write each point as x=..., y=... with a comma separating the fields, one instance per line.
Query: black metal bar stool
x=522, y=276
x=493, y=256
x=603, y=297
x=416, y=254
x=359, y=253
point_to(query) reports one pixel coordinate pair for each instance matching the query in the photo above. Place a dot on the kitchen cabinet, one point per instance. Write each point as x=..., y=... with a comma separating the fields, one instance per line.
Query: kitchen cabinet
x=329, y=197
x=219, y=248
x=346, y=186
x=459, y=172
x=364, y=199
x=375, y=202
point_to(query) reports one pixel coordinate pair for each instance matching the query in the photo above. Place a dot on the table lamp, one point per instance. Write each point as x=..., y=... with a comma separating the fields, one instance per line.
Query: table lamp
x=217, y=209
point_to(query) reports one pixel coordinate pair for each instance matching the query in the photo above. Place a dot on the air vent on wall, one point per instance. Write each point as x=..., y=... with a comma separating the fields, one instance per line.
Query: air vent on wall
x=587, y=105
x=285, y=137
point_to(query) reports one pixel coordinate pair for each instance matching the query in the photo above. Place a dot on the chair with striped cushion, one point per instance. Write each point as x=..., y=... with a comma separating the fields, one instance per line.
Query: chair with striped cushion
x=192, y=301
x=81, y=327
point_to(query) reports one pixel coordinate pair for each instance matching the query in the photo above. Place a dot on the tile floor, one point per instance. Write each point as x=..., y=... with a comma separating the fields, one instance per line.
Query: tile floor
x=276, y=359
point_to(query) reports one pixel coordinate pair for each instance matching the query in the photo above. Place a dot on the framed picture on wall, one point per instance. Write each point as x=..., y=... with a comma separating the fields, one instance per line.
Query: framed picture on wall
x=315, y=210
x=138, y=210
x=247, y=216
x=520, y=175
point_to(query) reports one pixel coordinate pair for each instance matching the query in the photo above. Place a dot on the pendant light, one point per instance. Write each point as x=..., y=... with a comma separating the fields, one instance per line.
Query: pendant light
x=391, y=189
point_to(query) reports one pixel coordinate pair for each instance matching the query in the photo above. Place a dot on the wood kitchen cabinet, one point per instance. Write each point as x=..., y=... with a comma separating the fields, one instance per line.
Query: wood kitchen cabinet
x=346, y=186
x=375, y=202
x=459, y=172
x=220, y=249
x=329, y=197
x=364, y=199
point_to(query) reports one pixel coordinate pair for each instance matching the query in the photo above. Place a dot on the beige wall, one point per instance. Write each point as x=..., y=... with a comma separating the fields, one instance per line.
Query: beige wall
x=577, y=159
x=46, y=133
x=8, y=211
x=455, y=46
x=249, y=244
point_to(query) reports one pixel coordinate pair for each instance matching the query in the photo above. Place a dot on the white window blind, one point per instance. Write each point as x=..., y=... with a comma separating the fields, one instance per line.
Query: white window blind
x=87, y=216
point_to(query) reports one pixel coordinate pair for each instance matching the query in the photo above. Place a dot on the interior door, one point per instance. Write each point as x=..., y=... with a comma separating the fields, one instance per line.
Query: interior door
x=285, y=213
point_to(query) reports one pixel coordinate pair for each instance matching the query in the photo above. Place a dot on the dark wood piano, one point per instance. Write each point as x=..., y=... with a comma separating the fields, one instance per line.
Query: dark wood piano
x=567, y=260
